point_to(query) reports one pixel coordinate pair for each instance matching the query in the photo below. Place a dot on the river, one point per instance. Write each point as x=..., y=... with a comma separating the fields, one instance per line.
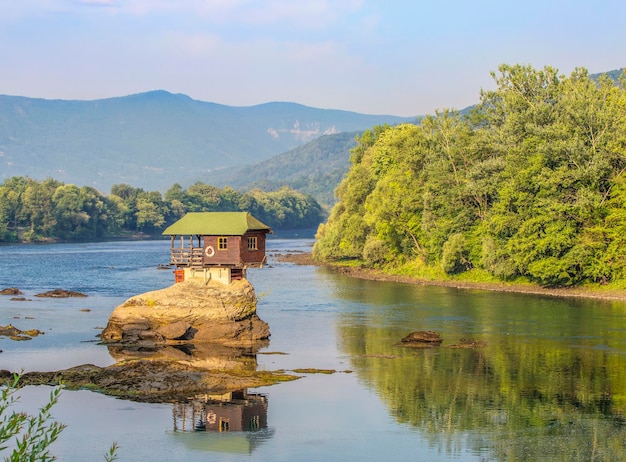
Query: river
x=549, y=383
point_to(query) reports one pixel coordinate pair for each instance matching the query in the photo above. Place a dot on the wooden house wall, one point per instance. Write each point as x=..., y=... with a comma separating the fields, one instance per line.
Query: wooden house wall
x=237, y=252
x=229, y=256
x=253, y=256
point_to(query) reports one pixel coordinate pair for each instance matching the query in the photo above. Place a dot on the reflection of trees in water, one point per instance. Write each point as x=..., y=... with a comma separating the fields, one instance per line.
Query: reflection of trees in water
x=535, y=399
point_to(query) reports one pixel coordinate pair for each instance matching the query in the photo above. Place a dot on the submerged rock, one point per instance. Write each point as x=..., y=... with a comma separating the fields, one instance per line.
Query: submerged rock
x=61, y=293
x=190, y=311
x=468, y=343
x=16, y=334
x=422, y=339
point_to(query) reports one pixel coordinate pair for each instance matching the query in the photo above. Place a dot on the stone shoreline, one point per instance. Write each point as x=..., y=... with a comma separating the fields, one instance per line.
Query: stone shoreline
x=304, y=258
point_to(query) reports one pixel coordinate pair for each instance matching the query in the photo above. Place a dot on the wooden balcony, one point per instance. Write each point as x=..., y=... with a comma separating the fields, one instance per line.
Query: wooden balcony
x=186, y=256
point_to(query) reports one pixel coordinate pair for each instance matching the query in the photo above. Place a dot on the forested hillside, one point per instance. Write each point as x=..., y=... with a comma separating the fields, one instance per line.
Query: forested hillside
x=32, y=211
x=315, y=168
x=529, y=185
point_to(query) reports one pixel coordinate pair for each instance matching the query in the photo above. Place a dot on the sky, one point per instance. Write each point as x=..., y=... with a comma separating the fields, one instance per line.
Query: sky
x=394, y=57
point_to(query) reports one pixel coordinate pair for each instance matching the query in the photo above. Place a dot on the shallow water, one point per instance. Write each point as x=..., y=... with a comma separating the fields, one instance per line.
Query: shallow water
x=550, y=384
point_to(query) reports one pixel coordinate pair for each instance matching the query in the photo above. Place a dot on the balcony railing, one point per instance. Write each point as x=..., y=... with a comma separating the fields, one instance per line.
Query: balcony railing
x=186, y=256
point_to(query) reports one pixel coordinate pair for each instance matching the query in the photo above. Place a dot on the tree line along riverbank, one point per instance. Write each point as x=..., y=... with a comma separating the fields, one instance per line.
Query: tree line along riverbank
x=49, y=210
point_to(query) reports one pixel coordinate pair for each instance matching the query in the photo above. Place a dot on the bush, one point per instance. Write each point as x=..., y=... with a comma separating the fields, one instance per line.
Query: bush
x=375, y=251
x=32, y=435
x=454, y=257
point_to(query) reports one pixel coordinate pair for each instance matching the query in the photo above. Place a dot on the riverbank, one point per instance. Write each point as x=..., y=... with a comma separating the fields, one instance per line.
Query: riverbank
x=304, y=258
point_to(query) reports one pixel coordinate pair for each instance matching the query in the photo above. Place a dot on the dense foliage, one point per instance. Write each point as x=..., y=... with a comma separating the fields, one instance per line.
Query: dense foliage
x=529, y=184
x=33, y=211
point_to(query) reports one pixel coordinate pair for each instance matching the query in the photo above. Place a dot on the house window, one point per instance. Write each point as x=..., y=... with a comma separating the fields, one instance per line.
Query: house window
x=252, y=243
x=222, y=243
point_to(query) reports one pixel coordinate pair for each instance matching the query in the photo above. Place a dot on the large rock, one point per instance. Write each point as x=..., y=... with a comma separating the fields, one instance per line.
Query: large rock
x=190, y=312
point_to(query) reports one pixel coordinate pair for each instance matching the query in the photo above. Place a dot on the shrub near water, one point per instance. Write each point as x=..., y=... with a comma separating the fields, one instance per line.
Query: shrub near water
x=32, y=435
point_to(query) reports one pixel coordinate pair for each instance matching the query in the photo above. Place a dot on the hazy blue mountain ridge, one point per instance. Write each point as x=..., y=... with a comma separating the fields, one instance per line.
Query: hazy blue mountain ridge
x=152, y=140
x=315, y=168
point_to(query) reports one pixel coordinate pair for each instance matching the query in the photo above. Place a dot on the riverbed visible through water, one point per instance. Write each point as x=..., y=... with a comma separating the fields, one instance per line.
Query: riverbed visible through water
x=549, y=382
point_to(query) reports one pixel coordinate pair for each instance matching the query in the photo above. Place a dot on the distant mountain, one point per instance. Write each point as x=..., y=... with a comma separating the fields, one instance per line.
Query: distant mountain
x=315, y=168
x=615, y=74
x=152, y=140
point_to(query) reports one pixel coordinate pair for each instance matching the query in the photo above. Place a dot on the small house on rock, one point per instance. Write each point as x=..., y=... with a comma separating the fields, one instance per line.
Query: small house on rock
x=217, y=245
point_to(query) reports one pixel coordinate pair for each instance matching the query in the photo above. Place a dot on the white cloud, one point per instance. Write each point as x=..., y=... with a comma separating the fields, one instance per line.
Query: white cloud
x=308, y=14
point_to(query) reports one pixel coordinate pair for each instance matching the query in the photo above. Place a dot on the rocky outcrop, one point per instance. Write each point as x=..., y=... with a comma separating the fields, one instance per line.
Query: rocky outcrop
x=11, y=291
x=191, y=311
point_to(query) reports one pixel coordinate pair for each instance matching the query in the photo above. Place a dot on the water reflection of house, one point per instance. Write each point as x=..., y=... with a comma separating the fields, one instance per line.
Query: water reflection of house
x=234, y=411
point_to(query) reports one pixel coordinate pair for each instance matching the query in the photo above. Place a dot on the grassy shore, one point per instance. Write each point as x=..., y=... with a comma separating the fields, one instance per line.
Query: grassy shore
x=595, y=291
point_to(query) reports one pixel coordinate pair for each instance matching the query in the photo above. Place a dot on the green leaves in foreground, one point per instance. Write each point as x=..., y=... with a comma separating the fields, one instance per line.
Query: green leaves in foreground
x=32, y=435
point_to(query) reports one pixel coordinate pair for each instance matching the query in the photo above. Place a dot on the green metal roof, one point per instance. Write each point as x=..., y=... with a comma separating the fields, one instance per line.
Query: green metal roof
x=215, y=224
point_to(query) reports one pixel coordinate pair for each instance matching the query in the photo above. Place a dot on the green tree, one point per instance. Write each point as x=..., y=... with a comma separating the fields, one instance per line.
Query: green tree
x=202, y=197
x=615, y=232
x=69, y=213
x=127, y=195
x=151, y=212
x=559, y=178
x=37, y=208
x=11, y=193
x=394, y=208
x=346, y=231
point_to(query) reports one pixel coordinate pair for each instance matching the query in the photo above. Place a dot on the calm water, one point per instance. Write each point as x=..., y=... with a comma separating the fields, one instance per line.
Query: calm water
x=549, y=385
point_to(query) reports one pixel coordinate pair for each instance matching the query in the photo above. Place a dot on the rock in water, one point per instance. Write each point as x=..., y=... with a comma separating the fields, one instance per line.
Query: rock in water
x=189, y=312
x=61, y=293
x=11, y=291
x=422, y=339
